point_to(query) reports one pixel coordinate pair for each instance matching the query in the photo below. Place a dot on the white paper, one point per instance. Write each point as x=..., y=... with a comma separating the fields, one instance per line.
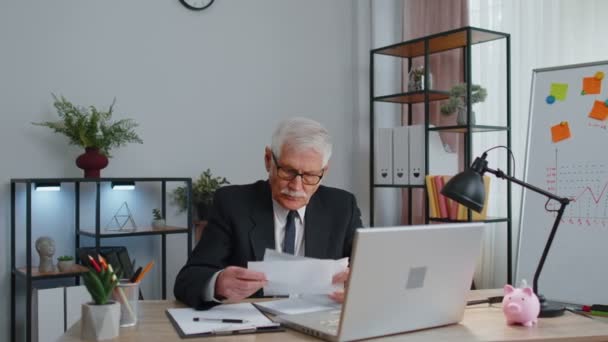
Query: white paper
x=299, y=276
x=273, y=255
x=298, y=305
x=245, y=311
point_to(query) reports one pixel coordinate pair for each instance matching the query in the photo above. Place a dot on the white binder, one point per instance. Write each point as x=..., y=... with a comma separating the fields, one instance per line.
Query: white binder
x=417, y=169
x=75, y=296
x=401, y=155
x=47, y=314
x=383, y=156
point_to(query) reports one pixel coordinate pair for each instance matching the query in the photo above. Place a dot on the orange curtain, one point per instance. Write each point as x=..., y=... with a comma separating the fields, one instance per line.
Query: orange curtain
x=422, y=18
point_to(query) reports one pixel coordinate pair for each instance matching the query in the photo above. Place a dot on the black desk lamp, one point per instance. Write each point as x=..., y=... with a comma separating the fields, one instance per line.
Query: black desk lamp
x=467, y=188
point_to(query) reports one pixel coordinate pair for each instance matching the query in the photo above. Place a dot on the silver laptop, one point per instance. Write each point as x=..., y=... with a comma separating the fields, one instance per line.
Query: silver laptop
x=402, y=279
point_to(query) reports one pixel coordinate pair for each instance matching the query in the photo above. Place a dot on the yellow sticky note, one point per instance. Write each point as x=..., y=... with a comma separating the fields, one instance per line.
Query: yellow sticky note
x=559, y=91
x=560, y=131
x=599, y=111
x=592, y=85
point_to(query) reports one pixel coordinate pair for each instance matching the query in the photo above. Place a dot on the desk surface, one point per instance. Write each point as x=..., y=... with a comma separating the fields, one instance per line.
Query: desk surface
x=480, y=323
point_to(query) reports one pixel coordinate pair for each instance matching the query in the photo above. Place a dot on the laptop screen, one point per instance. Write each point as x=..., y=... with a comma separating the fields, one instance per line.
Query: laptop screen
x=408, y=278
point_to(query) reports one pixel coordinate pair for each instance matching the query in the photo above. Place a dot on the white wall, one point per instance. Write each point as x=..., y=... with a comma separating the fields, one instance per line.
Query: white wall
x=387, y=29
x=206, y=88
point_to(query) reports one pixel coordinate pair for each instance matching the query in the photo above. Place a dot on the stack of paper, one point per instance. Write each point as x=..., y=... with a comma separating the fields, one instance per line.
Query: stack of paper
x=293, y=275
x=219, y=320
x=307, y=281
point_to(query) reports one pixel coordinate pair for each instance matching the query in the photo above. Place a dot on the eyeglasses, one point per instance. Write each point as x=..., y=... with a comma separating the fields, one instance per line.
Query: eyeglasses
x=291, y=174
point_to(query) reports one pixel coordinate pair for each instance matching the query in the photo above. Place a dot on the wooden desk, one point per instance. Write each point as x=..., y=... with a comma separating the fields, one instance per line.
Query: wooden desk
x=480, y=323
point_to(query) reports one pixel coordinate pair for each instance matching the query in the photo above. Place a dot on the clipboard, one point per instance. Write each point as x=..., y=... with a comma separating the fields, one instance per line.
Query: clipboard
x=182, y=320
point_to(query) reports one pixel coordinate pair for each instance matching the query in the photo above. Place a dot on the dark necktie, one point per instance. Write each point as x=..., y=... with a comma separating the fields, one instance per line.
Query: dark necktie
x=289, y=242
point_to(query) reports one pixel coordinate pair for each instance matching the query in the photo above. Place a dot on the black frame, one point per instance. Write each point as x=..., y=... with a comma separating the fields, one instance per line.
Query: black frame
x=196, y=8
x=461, y=38
x=97, y=235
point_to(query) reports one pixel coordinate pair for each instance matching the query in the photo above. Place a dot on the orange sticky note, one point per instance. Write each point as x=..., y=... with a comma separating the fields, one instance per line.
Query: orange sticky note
x=592, y=85
x=560, y=131
x=599, y=111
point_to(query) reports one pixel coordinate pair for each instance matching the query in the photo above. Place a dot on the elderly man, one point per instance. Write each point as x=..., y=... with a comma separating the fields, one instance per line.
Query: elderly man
x=291, y=212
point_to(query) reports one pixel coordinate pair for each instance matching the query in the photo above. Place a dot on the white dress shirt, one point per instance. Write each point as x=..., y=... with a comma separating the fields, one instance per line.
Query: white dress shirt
x=280, y=219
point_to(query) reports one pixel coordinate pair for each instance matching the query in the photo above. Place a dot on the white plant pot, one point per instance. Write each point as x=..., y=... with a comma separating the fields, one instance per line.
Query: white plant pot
x=159, y=223
x=65, y=265
x=100, y=322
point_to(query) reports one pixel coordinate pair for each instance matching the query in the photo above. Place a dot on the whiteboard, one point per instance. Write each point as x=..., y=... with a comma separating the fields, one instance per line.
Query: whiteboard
x=577, y=168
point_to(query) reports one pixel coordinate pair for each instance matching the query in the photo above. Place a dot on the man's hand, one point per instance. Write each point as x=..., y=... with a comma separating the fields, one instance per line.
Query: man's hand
x=236, y=283
x=339, y=278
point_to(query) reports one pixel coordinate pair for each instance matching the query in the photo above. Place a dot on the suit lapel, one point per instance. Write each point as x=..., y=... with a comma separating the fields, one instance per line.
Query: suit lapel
x=261, y=234
x=316, y=232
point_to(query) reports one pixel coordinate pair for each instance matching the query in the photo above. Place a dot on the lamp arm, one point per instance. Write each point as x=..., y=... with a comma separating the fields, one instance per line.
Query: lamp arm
x=500, y=174
x=541, y=262
x=563, y=203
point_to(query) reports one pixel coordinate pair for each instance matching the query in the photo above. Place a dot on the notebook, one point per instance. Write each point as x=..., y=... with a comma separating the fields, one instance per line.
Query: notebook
x=402, y=279
x=219, y=321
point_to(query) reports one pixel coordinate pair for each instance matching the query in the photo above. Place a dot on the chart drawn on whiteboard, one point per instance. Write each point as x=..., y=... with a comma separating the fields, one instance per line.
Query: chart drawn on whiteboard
x=585, y=183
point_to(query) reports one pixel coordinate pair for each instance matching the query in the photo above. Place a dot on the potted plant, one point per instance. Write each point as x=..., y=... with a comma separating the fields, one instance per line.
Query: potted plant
x=93, y=130
x=458, y=101
x=416, y=79
x=158, y=221
x=203, y=190
x=100, y=318
x=65, y=263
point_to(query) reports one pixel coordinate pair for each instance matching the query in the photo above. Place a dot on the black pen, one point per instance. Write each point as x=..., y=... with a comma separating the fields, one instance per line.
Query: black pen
x=221, y=320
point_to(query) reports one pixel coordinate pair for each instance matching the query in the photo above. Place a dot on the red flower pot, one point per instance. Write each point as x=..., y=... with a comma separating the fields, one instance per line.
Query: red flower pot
x=91, y=162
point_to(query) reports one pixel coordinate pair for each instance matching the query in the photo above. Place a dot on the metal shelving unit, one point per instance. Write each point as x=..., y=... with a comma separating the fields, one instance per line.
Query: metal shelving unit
x=30, y=273
x=459, y=39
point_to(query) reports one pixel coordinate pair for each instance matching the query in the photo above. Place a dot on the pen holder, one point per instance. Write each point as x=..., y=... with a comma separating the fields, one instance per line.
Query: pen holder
x=127, y=294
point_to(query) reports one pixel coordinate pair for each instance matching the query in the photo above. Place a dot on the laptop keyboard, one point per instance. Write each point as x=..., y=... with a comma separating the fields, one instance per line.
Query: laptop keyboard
x=333, y=323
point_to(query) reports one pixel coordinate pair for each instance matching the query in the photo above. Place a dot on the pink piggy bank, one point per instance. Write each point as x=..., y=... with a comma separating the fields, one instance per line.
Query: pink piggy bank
x=520, y=306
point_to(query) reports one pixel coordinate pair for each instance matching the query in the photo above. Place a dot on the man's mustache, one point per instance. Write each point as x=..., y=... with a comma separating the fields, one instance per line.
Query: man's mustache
x=294, y=193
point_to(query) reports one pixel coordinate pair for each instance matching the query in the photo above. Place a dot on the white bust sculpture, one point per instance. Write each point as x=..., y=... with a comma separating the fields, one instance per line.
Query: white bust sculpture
x=46, y=248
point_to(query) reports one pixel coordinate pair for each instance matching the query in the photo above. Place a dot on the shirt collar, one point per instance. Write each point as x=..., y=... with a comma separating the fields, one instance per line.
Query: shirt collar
x=282, y=212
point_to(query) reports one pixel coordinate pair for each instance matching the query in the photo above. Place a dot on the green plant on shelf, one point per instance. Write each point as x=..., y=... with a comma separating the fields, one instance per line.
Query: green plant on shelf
x=458, y=98
x=65, y=258
x=203, y=190
x=156, y=213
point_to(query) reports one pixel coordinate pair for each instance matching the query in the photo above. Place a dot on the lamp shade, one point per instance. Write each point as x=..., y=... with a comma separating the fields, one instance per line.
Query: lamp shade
x=466, y=188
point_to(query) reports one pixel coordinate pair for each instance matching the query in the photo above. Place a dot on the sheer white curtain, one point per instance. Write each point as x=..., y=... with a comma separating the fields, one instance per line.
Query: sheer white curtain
x=544, y=33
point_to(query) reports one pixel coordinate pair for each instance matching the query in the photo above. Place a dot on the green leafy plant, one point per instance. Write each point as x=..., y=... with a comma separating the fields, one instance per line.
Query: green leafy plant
x=65, y=258
x=458, y=97
x=203, y=190
x=156, y=213
x=90, y=127
x=100, y=280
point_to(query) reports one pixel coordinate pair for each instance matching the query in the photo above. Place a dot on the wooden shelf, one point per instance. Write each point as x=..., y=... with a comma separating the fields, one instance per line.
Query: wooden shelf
x=489, y=219
x=464, y=129
x=413, y=186
x=414, y=97
x=36, y=274
x=104, y=233
x=440, y=42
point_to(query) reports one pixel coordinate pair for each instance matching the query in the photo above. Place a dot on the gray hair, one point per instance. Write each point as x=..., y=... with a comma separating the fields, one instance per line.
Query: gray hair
x=302, y=133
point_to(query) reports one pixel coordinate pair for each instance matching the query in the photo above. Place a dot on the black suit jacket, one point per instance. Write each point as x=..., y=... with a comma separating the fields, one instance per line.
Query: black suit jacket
x=241, y=227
